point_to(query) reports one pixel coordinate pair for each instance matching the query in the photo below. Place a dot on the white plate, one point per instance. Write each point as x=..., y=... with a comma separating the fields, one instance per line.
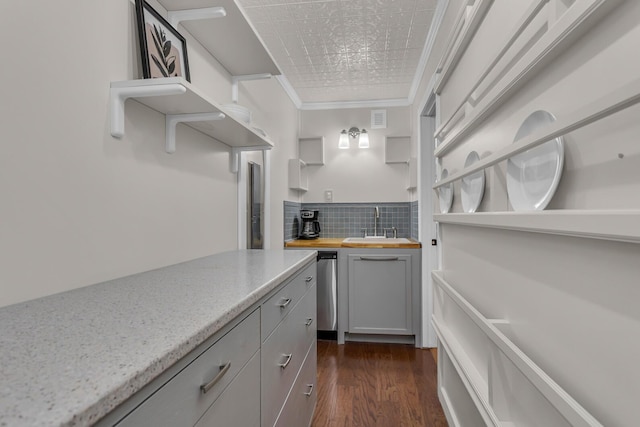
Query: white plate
x=472, y=187
x=533, y=176
x=445, y=193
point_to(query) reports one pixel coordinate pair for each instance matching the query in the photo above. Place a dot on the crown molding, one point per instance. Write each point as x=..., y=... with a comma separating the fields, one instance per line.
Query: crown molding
x=286, y=85
x=375, y=103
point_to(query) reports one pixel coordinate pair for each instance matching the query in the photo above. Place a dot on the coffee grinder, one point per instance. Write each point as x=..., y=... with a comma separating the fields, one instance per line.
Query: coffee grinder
x=310, y=224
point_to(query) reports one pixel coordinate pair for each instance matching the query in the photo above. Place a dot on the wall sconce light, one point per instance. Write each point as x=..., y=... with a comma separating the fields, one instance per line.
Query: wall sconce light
x=354, y=132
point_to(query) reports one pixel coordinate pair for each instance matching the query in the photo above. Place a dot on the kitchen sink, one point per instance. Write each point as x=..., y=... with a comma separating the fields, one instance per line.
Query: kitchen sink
x=376, y=240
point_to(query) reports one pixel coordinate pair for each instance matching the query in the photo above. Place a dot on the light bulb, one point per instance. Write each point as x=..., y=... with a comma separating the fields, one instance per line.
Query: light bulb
x=363, y=142
x=343, y=143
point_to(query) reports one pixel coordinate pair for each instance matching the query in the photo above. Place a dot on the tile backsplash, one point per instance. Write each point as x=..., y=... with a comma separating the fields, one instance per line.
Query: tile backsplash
x=348, y=219
x=291, y=220
x=415, y=220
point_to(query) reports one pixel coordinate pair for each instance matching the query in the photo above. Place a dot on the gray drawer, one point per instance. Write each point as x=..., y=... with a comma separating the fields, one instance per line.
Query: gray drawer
x=239, y=405
x=301, y=402
x=279, y=305
x=180, y=402
x=293, y=336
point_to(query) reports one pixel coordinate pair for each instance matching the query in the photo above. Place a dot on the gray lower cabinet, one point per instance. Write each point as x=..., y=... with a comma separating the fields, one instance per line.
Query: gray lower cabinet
x=181, y=401
x=239, y=405
x=380, y=299
x=284, y=357
x=298, y=411
x=379, y=295
x=260, y=371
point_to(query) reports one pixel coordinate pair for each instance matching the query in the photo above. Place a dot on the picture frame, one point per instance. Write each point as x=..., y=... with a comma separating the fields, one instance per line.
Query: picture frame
x=163, y=50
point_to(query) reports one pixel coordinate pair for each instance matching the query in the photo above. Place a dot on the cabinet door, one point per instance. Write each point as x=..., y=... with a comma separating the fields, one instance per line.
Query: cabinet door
x=380, y=294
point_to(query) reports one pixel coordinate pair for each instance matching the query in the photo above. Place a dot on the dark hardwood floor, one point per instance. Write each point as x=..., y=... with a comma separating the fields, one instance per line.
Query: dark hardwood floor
x=383, y=385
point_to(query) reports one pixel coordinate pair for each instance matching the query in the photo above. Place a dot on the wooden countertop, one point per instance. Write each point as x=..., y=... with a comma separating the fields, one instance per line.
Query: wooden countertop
x=337, y=243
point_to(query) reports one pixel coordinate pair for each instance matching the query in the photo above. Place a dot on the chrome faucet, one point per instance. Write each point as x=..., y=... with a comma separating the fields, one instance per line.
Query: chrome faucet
x=376, y=215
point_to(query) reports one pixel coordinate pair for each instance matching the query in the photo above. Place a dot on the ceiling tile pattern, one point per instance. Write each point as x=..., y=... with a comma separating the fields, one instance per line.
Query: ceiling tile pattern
x=344, y=50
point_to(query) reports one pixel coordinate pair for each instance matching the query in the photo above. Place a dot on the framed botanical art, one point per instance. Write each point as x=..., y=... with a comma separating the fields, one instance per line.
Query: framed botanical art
x=163, y=50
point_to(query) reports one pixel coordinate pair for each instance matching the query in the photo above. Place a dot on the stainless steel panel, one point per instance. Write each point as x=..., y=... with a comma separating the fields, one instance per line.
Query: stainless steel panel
x=327, y=293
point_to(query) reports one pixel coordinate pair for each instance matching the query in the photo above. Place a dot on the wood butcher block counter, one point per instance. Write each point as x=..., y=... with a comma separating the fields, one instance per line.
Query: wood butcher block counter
x=338, y=243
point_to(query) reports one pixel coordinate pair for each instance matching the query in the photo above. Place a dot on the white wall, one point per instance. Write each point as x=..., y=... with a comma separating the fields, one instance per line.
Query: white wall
x=354, y=174
x=80, y=207
x=279, y=117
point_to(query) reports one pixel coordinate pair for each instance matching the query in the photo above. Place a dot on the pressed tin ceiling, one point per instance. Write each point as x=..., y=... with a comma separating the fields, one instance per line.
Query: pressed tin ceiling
x=344, y=50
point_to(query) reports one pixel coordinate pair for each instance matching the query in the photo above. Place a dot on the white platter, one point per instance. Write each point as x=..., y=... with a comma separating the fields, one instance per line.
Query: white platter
x=472, y=186
x=533, y=176
x=445, y=193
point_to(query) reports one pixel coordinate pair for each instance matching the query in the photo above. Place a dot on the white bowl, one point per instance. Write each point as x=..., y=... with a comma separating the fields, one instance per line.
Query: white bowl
x=239, y=112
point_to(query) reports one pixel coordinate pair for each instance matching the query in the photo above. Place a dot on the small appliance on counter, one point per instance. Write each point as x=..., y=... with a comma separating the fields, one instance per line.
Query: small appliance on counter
x=310, y=224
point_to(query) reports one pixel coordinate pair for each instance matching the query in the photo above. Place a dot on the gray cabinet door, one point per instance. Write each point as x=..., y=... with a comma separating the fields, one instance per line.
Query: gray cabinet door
x=380, y=294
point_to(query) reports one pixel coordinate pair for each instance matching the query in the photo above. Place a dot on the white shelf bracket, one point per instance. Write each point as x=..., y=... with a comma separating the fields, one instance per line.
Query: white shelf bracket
x=172, y=121
x=234, y=156
x=236, y=79
x=176, y=16
x=118, y=96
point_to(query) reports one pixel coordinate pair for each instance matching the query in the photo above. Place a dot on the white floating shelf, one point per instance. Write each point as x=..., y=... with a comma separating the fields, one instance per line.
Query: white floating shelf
x=413, y=173
x=312, y=150
x=298, y=178
x=397, y=149
x=180, y=101
x=230, y=39
x=618, y=225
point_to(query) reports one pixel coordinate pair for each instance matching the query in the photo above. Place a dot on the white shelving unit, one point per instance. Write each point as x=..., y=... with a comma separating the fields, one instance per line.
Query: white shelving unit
x=180, y=101
x=618, y=100
x=495, y=372
x=298, y=178
x=230, y=39
x=618, y=225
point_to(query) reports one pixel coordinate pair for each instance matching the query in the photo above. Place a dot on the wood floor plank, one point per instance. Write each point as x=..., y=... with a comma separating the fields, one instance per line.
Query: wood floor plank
x=376, y=385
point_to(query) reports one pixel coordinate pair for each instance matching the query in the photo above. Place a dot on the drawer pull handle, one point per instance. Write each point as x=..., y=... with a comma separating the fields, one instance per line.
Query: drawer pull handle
x=308, y=279
x=287, y=360
x=284, y=303
x=308, y=393
x=223, y=370
x=370, y=258
x=308, y=322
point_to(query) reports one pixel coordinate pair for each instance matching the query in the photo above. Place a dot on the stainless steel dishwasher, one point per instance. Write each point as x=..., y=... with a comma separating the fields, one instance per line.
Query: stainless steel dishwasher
x=327, y=294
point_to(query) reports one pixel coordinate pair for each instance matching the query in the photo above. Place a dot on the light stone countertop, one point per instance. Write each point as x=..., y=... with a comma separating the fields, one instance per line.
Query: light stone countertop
x=70, y=358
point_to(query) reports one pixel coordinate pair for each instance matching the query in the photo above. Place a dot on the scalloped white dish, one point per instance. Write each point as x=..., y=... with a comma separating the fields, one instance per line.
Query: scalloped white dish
x=445, y=193
x=533, y=176
x=472, y=186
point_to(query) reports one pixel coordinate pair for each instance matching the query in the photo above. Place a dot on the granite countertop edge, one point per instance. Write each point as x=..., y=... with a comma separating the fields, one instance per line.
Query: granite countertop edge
x=110, y=398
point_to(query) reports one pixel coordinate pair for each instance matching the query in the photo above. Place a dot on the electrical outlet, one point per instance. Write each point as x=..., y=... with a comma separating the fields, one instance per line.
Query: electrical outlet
x=328, y=196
